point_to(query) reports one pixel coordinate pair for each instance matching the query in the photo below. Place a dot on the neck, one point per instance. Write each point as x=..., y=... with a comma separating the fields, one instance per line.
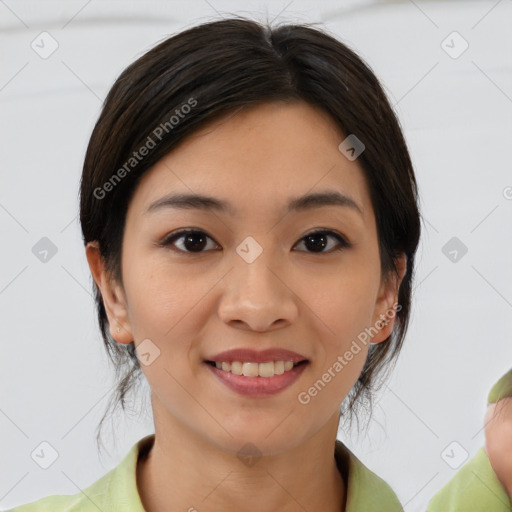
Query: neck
x=184, y=472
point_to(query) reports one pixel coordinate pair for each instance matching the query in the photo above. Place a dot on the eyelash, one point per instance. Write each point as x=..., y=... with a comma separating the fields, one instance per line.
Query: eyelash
x=172, y=237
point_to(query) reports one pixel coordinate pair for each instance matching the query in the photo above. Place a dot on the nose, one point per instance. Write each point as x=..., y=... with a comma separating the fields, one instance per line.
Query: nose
x=257, y=296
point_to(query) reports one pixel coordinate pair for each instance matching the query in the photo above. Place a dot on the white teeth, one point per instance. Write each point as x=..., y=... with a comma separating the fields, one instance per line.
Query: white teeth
x=278, y=367
x=249, y=369
x=266, y=369
x=236, y=367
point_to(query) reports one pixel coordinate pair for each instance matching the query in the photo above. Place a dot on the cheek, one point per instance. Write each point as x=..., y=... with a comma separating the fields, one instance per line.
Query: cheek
x=344, y=304
x=159, y=297
x=342, y=309
x=169, y=308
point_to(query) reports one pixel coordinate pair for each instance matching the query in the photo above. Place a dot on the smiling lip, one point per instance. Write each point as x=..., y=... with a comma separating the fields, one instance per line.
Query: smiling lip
x=254, y=356
x=258, y=387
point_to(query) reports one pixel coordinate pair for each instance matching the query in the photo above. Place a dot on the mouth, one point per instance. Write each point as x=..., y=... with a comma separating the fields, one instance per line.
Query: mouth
x=257, y=374
x=253, y=369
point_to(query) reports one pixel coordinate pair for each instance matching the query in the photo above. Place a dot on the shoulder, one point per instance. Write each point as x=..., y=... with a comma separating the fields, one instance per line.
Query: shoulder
x=90, y=499
x=365, y=490
x=474, y=487
x=115, y=491
x=55, y=503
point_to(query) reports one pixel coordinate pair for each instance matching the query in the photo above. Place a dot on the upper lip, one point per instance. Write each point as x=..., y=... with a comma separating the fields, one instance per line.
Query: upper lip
x=255, y=356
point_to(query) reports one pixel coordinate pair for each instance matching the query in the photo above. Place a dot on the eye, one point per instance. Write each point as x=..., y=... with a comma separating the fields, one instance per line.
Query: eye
x=194, y=241
x=318, y=240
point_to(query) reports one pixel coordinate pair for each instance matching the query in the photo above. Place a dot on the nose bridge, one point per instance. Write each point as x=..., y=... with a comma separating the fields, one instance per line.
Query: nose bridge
x=252, y=267
x=255, y=293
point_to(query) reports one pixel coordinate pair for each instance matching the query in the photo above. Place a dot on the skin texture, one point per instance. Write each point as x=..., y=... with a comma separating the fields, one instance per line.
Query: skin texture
x=195, y=305
x=498, y=440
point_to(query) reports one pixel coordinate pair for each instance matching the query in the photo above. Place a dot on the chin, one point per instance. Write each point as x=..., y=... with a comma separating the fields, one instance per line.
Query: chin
x=253, y=440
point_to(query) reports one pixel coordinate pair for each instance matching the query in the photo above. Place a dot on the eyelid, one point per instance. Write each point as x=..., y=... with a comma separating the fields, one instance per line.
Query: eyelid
x=175, y=235
x=343, y=241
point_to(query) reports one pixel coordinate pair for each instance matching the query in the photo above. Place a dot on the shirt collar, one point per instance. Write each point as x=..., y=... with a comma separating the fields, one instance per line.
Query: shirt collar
x=365, y=490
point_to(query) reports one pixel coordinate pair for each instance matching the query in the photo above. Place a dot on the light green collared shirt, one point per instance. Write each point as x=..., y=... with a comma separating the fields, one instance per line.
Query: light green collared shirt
x=117, y=490
x=475, y=488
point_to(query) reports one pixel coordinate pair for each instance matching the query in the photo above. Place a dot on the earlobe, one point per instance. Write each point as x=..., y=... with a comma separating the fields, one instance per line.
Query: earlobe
x=384, y=326
x=387, y=303
x=112, y=294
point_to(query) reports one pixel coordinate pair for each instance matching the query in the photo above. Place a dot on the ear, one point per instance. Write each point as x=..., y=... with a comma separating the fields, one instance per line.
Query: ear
x=113, y=296
x=385, y=309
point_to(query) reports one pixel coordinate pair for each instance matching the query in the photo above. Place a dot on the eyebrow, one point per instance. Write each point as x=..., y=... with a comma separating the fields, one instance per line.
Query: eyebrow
x=298, y=204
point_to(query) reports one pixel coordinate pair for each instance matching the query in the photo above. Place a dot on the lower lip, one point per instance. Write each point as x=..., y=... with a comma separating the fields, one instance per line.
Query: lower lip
x=258, y=387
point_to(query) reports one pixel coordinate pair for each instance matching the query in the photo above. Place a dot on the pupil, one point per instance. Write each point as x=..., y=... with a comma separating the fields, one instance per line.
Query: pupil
x=320, y=245
x=189, y=240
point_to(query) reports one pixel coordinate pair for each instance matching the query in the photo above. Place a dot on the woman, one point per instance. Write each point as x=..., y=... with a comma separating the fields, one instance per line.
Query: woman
x=250, y=215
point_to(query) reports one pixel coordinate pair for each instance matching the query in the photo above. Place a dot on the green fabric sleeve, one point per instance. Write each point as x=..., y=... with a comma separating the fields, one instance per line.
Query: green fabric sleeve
x=475, y=488
x=502, y=388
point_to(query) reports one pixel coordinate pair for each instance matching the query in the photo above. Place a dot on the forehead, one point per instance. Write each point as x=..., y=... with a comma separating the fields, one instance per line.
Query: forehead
x=260, y=158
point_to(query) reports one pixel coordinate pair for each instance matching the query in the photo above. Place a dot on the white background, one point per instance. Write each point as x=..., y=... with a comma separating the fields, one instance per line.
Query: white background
x=457, y=117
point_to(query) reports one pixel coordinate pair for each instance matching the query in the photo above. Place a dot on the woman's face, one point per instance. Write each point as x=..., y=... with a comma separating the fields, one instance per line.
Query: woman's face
x=249, y=277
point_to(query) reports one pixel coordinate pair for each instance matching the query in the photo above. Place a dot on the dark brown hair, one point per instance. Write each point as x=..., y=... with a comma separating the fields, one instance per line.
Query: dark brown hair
x=219, y=67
